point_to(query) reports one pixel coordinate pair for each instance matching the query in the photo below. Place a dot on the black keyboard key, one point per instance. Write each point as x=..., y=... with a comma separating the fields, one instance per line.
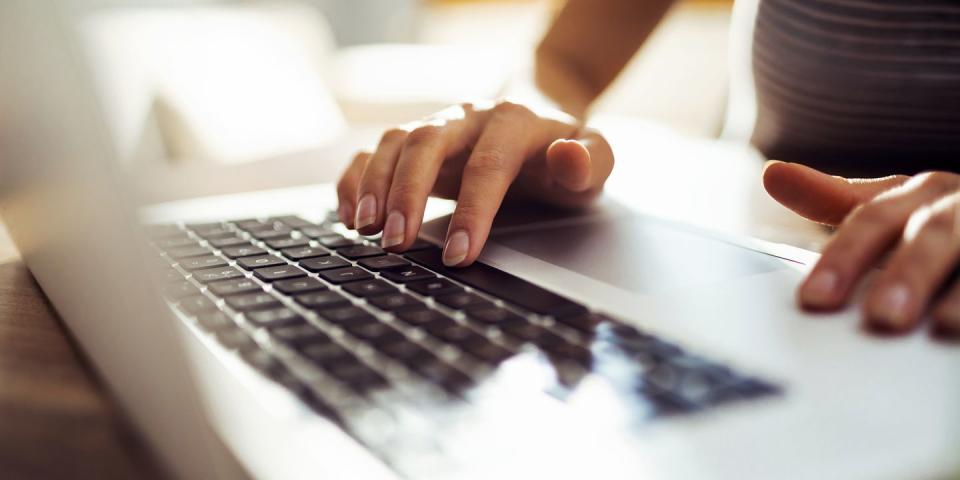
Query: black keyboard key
x=407, y=274
x=525, y=331
x=191, y=264
x=369, y=288
x=570, y=351
x=196, y=304
x=261, y=360
x=336, y=241
x=179, y=289
x=281, y=243
x=299, y=335
x=323, y=263
x=374, y=333
x=279, y=272
x=394, y=302
x=253, y=224
x=326, y=353
x=214, y=321
x=243, y=251
x=300, y=253
x=500, y=284
x=292, y=221
x=188, y=252
x=322, y=300
x=168, y=244
x=437, y=286
x=225, y=242
x=463, y=300
x=344, y=275
x=454, y=333
x=420, y=244
x=234, y=286
x=494, y=316
x=274, y=317
x=358, y=376
x=290, y=382
x=297, y=286
x=440, y=373
x=252, y=301
x=360, y=251
x=315, y=232
x=250, y=263
x=208, y=275
x=486, y=351
x=347, y=315
x=423, y=317
x=586, y=322
x=407, y=352
x=383, y=262
x=214, y=233
x=235, y=339
x=273, y=232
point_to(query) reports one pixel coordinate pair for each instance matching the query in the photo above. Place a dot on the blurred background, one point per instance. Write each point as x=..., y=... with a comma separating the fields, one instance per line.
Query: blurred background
x=214, y=88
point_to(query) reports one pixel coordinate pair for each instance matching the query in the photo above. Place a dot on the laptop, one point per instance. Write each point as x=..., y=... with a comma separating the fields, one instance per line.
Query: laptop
x=254, y=336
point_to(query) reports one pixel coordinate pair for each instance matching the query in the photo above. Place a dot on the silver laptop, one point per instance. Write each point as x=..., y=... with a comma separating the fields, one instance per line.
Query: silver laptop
x=252, y=335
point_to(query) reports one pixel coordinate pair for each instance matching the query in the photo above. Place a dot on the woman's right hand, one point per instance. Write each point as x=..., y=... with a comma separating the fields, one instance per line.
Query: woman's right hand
x=477, y=154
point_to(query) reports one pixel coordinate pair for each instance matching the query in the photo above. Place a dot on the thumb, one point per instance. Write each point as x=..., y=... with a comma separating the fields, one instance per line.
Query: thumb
x=580, y=164
x=820, y=197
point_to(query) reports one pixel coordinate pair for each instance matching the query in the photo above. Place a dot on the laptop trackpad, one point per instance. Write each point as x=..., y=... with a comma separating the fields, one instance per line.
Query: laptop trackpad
x=638, y=254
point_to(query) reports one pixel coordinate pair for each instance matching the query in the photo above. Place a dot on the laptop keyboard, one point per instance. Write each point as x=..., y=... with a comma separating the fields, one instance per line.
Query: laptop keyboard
x=285, y=293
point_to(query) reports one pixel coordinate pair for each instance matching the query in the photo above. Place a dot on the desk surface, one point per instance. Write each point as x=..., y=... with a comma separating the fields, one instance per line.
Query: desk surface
x=56, y=420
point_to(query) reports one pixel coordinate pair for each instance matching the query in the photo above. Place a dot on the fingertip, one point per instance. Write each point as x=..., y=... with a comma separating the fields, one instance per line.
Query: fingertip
x=821, y=292
x=457, y=249
x=569, y=163
x=345, y=212
x=778, y=178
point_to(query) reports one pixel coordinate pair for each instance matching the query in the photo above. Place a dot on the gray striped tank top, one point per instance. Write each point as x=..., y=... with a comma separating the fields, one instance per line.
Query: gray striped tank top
x=859, y=86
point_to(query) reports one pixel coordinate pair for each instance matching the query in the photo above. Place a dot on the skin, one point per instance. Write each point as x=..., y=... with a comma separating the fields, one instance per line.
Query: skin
x=485, y=154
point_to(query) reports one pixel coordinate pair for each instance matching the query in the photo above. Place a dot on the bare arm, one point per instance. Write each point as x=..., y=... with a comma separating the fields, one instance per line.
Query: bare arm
x=589, y=44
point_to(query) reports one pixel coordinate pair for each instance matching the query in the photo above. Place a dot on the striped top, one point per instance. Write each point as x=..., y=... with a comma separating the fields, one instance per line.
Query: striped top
x=859, y=86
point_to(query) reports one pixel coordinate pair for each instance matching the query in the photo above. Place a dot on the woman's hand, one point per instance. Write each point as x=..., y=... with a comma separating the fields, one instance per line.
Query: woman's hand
x=476, y=154
x=914, y=219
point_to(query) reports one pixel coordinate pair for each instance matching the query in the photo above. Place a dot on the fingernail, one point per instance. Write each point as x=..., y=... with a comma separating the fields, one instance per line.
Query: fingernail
x=345, y=212
x=456, y=249
x=893, y=307
x=366, y=211
x=820, y=289
x=393, y=230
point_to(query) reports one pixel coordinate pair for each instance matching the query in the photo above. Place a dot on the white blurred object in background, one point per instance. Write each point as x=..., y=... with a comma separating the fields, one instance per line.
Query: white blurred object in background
x=224, y=83
x=396, y=83
x=356, y=22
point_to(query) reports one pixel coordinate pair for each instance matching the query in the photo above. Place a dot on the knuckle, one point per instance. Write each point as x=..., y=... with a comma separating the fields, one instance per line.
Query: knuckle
x=508, y=108
x=423, y=134
x=873, y=213
x=361, y=157
x=485, y=162
x=393, y=135
x=937, y=180
x=940, y=221
x=402, y=192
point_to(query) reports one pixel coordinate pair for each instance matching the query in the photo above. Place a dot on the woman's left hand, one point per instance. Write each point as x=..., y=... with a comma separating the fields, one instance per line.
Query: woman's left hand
x=916, y=220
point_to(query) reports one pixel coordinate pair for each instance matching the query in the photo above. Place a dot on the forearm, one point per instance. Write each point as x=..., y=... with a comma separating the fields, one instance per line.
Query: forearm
x=588, y=45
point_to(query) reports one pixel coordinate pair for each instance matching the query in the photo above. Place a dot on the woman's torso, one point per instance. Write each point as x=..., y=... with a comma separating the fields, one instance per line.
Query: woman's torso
x=858, y=86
